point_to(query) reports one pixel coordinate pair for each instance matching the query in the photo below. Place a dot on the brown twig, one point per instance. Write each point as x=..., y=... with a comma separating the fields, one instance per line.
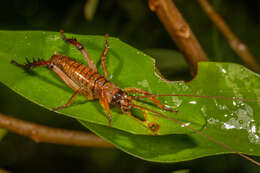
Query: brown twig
x=4, y=171
x=239, y=47
x=179, y=31
x=40, y=133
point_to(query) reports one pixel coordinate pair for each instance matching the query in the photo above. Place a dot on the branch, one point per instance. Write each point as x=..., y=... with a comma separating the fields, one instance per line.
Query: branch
x=4, y=171
x=179, y=31
x=40, y=133
x=239, y=47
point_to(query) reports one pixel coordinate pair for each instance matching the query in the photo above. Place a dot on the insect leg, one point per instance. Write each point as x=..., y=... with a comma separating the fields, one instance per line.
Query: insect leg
x=28, y=65
x=79, y=46
x=68, y=103
x=156, y=101
x=103, y=60
x=104, y=103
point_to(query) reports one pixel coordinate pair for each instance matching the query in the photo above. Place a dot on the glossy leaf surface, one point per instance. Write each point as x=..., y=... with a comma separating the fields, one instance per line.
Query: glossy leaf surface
x=234, y=122
x=127, y=67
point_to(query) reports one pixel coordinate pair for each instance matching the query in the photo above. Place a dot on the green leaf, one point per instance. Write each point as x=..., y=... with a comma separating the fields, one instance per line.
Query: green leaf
x=234, y=122
x=237, y=126
x=3, y=132
x=43, y=87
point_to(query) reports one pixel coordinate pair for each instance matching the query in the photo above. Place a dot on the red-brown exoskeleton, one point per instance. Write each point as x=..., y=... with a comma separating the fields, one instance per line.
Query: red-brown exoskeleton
x=87, y=81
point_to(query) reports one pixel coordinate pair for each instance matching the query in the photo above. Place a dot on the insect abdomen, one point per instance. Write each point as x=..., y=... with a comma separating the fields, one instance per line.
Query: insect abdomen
x=82, y=75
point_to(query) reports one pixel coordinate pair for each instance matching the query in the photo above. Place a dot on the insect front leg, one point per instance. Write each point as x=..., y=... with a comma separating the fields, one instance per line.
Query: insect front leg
x=104, y=103
x=156, y=101
x=79, y=46
x=103, y=60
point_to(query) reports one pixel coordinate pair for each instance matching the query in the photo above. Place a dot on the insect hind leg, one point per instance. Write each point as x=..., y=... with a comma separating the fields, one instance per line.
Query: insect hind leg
x=79, y=46
x=103, y=60
x=29, y=65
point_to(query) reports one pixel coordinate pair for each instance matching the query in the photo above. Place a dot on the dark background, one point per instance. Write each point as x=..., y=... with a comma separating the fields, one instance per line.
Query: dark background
x=133, y=23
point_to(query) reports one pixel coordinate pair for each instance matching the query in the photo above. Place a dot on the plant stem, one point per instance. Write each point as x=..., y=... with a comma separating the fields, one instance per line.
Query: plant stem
x=40, y=133
x=179, y=31
x=239, y=47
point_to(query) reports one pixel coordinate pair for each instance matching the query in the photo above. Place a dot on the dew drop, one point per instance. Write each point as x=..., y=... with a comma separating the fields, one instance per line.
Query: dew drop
x=228, y=126
x=212, y=120
x=143, y=83
x=193, y=102
x=253, y=129
x=185, y=124
x=176, y=101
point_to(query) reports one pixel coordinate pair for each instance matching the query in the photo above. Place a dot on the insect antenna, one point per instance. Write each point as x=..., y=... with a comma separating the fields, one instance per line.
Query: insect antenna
x=198, y=132
x=193, y=95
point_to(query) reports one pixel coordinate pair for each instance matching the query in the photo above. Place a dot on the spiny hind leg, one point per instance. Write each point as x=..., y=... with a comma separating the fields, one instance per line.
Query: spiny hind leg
x=104, y=103
x=156, y=101
x=69, y=102
x=103, y=60
x=79, y=46
x=29, y=65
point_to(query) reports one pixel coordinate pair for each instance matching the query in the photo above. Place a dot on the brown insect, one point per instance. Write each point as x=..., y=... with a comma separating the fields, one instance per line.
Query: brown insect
x=87, y=81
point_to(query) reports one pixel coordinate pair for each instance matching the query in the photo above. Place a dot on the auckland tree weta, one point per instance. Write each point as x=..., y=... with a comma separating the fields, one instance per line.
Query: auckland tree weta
x=87, y=81
x=92, y=85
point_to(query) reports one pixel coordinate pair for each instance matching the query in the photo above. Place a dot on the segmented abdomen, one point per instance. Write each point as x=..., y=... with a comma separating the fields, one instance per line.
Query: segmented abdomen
x=82, y=75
